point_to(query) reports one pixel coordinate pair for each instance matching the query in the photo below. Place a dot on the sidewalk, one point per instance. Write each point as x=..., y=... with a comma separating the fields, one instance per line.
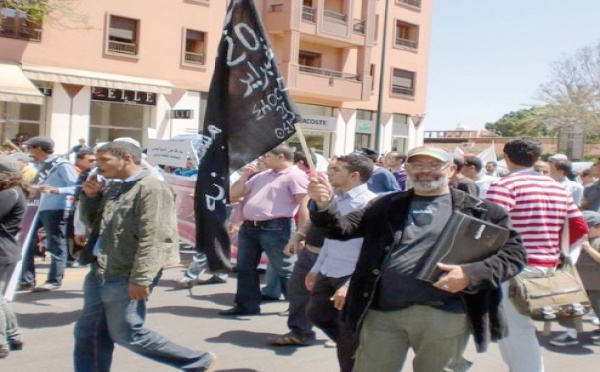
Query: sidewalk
x=191, y=318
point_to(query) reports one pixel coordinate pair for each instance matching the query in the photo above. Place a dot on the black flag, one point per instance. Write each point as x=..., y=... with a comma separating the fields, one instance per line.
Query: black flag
x=249, y=112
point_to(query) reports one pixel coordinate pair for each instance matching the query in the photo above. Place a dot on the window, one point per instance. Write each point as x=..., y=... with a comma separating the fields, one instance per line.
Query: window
x=407, y=35
x=411, y=3
x=123, y=35
x=309, y=59
x=372, y=75
x=364, y=115
x=195, y=47
x=362, y=140
x=403, y=82
x=17, y=24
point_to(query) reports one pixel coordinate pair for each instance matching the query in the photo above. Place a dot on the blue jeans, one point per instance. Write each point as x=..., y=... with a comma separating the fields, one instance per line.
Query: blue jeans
x=272, y=286
x=270, y=237
x=9, y=329
x=55, y=224
x=109, y=316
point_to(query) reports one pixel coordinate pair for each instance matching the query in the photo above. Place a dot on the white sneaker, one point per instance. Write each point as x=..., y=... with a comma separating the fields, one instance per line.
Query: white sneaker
x=596, y=321
x=564, y=340
x=185, y=282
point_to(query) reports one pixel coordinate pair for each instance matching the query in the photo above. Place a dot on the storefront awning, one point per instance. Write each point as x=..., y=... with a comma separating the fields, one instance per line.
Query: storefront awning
x=97, y=79
x=15, y=87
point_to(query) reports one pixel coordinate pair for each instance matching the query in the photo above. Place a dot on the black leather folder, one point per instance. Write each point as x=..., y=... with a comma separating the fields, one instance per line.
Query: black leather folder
x=465, y=239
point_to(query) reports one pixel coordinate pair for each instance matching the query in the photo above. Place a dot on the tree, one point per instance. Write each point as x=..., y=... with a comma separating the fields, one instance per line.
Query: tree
x=525, y=122
x=572, y=95
x=62, y=13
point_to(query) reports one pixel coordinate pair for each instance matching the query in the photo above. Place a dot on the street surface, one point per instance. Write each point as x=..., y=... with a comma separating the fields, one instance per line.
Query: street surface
x=191, y=318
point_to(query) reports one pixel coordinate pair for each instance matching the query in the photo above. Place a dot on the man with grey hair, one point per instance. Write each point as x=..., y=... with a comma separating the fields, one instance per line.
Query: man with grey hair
x=134, y=235
x=392, y=309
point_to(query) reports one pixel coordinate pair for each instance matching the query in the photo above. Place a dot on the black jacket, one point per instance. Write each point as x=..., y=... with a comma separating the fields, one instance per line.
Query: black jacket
x=13, y=206
x=381, y=224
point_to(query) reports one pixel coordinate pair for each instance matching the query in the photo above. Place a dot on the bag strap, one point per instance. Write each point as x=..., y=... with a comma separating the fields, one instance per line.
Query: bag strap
x=565, y=240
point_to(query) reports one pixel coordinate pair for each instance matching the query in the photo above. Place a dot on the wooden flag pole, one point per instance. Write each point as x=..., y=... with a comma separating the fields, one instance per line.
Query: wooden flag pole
x=311, y=165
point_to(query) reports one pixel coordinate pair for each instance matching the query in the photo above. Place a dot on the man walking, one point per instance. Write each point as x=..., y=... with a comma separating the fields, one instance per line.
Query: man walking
x=393, y=310
x=56, y=180
x=330, y=275
x=134, y=234
x=538, y=207
x=271, y=200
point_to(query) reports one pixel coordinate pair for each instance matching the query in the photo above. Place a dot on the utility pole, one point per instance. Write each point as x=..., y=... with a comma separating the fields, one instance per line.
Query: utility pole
x=379, y=122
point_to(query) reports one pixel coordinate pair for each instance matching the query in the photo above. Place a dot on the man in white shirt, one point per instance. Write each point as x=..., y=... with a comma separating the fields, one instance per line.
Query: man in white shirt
x=560, y=171
x=472, y=169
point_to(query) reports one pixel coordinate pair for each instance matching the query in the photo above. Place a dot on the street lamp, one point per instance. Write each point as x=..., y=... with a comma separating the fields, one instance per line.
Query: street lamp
x=381, y=79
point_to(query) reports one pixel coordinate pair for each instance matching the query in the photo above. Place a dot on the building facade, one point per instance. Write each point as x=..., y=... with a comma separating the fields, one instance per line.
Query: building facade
x=142, y=69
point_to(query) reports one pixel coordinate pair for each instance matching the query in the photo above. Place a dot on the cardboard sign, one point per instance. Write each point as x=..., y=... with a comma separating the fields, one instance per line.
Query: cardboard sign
x=171, y=153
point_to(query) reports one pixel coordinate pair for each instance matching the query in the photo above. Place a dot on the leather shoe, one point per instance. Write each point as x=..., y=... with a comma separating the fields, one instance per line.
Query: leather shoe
x=16, y=344
x=236, y=310
x=265, y=298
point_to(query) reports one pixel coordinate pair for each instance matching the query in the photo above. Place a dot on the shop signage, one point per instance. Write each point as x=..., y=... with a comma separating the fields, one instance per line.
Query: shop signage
x=181, y=114
x=130, y=97
x=364, y=126
x=314, y=122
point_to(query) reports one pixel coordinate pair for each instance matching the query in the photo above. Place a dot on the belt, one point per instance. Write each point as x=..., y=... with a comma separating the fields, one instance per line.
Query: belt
x=312, y=248
x=261, y=223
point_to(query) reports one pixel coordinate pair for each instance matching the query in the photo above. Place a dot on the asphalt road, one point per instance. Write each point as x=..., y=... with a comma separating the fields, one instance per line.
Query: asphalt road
x=191, y=318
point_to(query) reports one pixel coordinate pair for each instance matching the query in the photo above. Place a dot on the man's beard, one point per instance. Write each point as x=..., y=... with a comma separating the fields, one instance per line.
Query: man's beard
x=430, y=185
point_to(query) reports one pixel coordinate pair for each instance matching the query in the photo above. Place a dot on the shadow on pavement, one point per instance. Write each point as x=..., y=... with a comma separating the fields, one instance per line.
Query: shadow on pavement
x=47, y=320
x=253, y=340
x=189, y=311
x=33, y=298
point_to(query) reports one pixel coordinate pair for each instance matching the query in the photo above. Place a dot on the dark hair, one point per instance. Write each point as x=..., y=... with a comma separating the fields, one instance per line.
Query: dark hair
x=83, y=153
x=399, y=155
x=301, y=156
x=11, y=180
x=475, y=162
x=523, y=151
x=369, y=153
x=586, y=172
x=492, y=163
x=285, y=150
x=120, y=149
x=358, y=163
x=565, y=166
x=459, y=161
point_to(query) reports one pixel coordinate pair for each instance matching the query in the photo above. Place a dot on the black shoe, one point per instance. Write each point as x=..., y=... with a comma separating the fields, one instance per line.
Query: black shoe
x=235, y=311
x=215, y=279
x=26, y=287
x=265, y=298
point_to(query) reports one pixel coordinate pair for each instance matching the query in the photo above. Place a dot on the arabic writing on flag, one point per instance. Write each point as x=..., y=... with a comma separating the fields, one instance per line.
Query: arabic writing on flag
x=249, y=112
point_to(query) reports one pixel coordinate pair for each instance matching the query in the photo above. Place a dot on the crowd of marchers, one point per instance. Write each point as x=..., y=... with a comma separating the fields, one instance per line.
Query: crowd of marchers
x=345, y=243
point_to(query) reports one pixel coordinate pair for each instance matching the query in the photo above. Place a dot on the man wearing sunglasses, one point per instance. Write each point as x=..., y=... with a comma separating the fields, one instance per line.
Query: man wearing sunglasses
x=386, y=303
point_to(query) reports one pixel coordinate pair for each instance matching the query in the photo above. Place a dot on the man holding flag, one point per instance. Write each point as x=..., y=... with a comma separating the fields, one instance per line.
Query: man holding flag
x=249, y=113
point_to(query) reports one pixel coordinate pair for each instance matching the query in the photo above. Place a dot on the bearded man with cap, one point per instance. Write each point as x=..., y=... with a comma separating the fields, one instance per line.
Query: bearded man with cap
x=56, y=179
x=394, y=311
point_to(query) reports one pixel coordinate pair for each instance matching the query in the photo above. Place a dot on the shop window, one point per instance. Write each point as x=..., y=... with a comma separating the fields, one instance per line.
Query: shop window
x=403, y=82
x=195, y=47
x=364, y=115
x=407, y=35
x=17, y=24
x=123, y=35
x=362, y=140
x=112, y=120
x=20, y=118
x=308, y=109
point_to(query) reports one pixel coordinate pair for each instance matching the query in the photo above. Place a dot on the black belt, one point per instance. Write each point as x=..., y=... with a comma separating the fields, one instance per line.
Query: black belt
x=261, y=223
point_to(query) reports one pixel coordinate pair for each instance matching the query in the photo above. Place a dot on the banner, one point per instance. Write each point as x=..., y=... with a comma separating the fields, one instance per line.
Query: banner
x=249, y=112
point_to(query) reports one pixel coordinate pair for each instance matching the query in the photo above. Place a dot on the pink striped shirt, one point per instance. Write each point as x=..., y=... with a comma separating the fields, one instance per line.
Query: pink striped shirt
x=537, y=206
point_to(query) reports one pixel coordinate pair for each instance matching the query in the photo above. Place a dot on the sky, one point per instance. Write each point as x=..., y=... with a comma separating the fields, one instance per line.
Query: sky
x=488, y=58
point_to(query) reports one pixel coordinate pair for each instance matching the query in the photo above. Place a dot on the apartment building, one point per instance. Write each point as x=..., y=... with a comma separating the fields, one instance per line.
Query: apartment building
x=142, y=69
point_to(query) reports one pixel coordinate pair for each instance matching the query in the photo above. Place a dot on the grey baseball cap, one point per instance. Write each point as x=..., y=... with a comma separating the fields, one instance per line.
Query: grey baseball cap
x=45, y=143
x=9, y=165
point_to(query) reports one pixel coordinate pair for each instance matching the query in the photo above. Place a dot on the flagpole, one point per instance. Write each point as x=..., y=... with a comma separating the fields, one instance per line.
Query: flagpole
x=306, y=150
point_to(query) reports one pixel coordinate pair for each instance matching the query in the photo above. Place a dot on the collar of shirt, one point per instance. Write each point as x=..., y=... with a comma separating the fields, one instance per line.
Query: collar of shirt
x=283, y=171
x=133, y=177
x=41, y=164
x=353, y=192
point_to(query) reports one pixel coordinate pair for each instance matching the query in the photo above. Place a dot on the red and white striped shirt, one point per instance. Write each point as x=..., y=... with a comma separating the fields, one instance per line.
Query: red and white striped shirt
x=538, y=206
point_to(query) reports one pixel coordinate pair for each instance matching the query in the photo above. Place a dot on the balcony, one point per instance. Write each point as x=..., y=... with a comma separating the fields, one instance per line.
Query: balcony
x=403, y=91
x=122, y=47
x=406, y=43
x=309, y=14
x=411, y=3
x=194, y=58
x=20, y=32
x=328, y=73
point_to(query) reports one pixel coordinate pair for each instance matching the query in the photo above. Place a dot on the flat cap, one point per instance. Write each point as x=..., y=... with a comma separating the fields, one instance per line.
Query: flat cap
x=44, y=143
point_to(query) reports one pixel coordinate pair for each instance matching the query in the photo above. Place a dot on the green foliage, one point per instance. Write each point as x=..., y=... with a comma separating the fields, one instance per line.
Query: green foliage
x=525, y=122
x=55, y=12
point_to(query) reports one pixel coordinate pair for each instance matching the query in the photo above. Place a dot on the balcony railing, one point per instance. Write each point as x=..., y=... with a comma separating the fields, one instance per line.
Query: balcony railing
x=277, y=7
x=335, y=16
x=406, y=43
x=397, y=89
x=309, y=14
x=20, y=32
x=413, y=3
x=359, y=26
x=121, y=47
x=328, y=73
x=194, y=58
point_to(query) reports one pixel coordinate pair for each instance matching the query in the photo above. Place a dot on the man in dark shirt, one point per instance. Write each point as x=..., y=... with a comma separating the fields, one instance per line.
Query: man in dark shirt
x=392, y=309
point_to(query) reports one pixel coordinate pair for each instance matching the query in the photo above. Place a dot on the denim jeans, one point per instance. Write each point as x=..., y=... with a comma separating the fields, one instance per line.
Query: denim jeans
x=55, y=224
x=109, y=316
x=9, y=329
x=299, y=296
x=272, y=286
x=270, y=237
